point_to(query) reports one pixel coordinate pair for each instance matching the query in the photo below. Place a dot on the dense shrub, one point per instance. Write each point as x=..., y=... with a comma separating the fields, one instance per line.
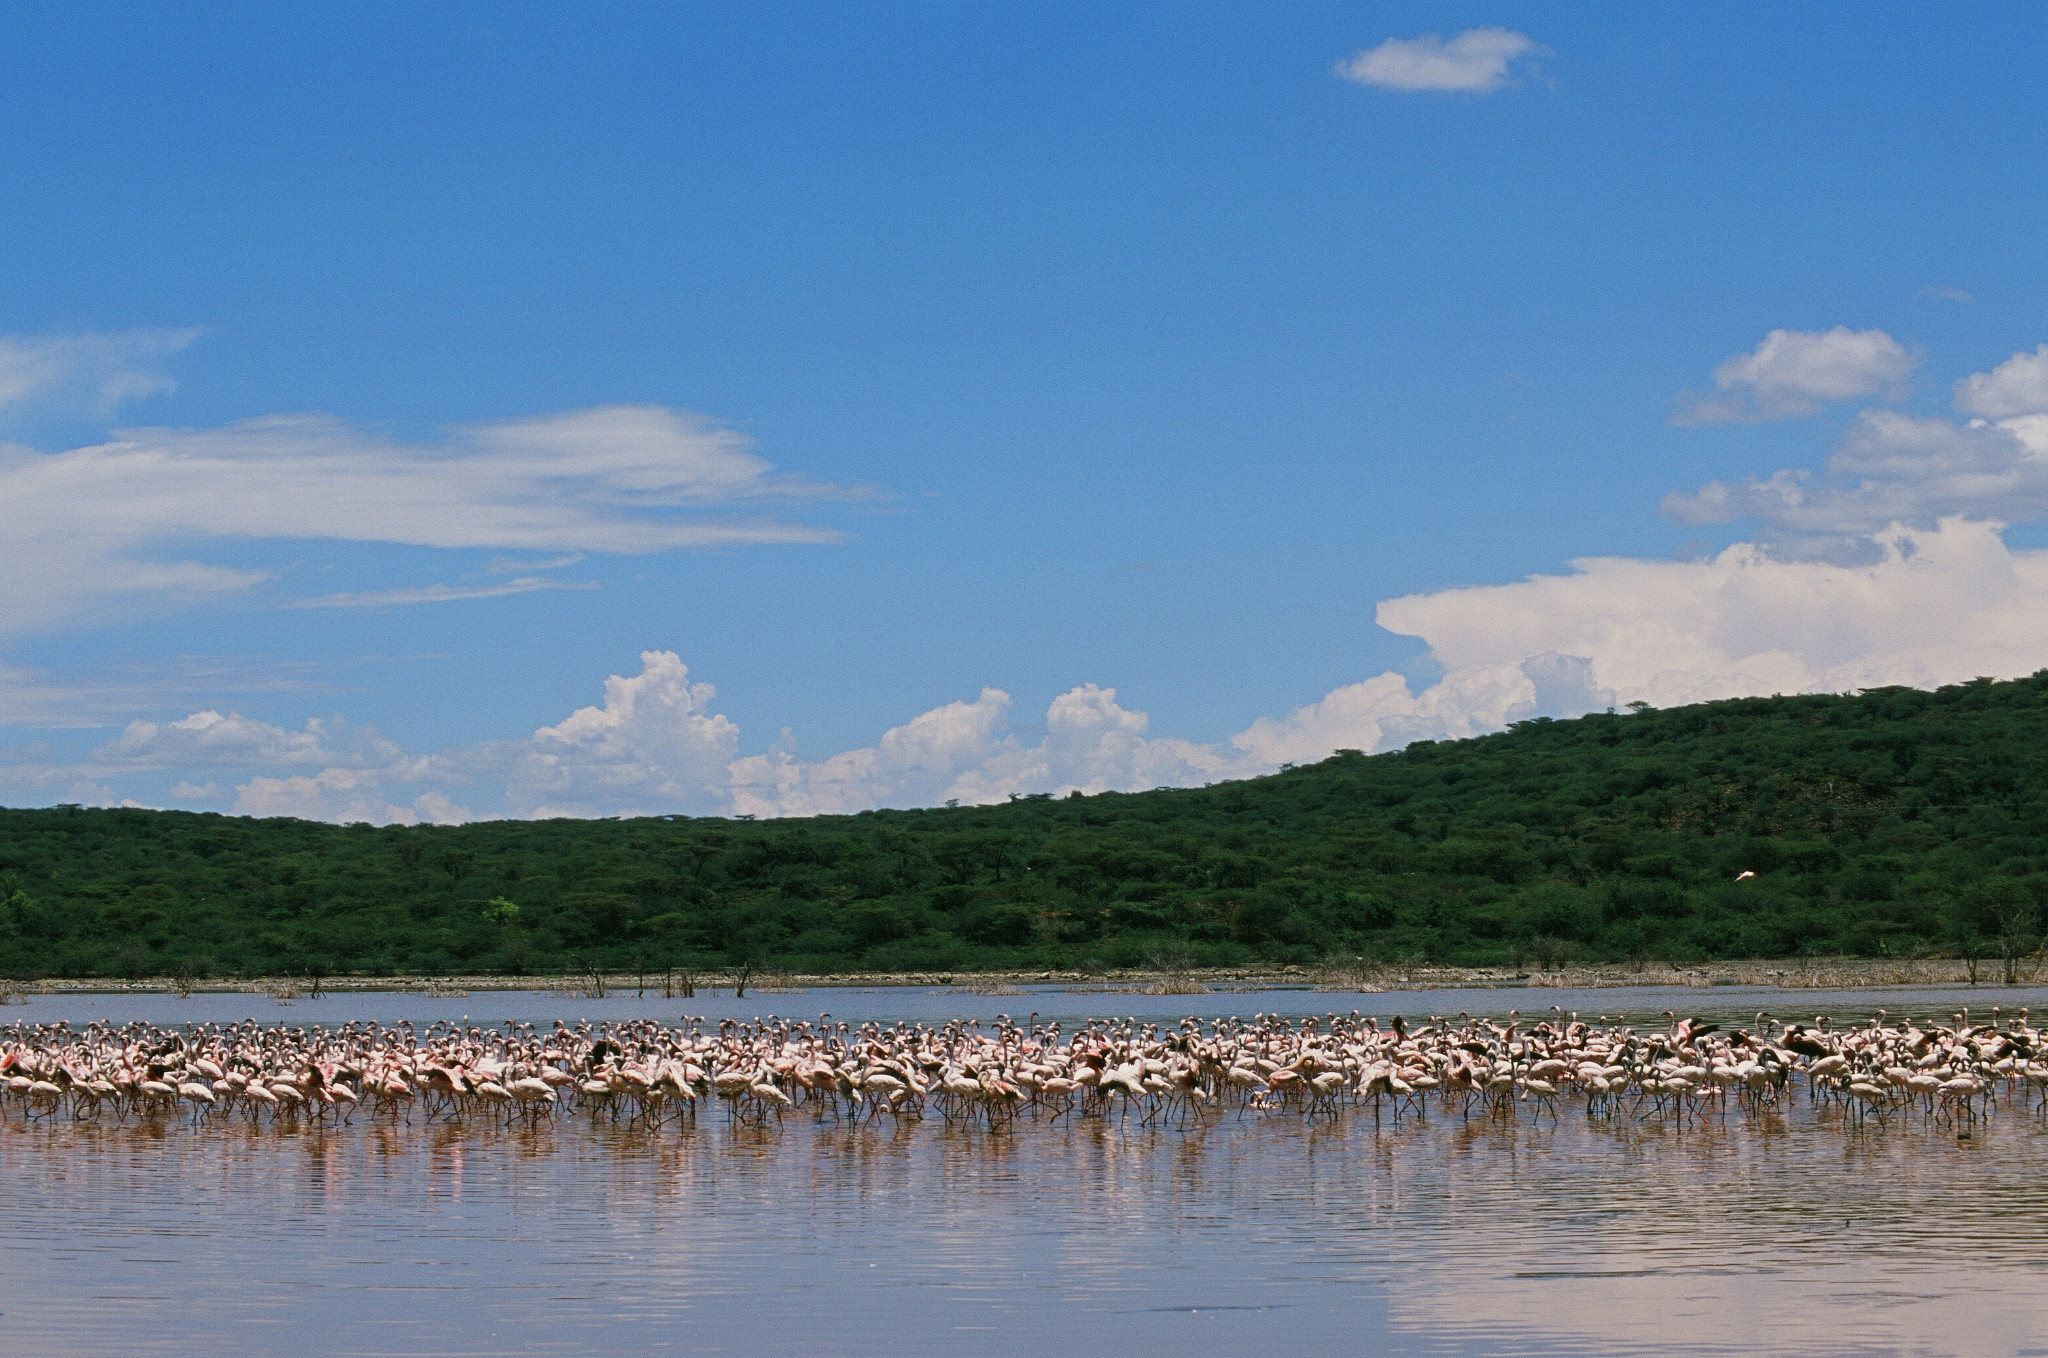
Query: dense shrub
x=1895, y=822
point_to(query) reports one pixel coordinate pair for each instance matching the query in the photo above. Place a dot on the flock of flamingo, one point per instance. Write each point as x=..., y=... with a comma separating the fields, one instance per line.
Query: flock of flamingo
x=1002, y=1073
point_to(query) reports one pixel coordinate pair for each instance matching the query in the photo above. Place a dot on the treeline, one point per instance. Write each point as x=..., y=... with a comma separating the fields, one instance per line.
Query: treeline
x=1896, y=822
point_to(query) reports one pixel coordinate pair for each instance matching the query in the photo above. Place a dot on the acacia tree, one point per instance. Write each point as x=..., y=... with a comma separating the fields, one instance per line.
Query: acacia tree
x=1998, y=916
x=2014, y=918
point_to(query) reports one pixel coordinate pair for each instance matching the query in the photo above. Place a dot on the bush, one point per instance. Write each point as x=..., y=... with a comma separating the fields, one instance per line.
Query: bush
x=1604, y=837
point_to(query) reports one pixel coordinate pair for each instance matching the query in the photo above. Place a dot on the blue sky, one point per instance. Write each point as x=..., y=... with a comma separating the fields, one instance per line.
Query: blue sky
x=941, y=349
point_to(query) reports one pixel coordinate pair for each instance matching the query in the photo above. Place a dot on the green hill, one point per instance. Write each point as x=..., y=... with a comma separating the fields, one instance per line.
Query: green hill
x=1894, y=822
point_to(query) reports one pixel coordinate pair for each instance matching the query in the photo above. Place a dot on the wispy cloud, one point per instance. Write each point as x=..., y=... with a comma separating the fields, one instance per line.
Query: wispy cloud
x=1474, y=62
x=437, y=594
x=1943, y=295
x=507, y=565
x=95, y=371
x=112, y=691
x=620, y=479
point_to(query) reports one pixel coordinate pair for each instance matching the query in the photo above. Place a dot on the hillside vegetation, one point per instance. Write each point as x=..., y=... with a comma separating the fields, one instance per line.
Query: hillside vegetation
x=1894, y=822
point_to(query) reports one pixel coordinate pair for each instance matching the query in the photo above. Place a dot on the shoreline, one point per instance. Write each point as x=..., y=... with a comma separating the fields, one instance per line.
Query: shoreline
x=1801, y=974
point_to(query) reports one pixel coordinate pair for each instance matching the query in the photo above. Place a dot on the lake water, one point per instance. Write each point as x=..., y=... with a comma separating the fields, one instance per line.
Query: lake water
x=1426, y=1237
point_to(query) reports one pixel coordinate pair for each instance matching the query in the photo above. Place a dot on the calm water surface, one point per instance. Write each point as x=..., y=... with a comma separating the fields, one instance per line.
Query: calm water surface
x=1438, y=1236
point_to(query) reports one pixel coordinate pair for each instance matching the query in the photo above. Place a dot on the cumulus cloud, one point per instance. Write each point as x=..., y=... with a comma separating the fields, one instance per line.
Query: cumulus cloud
x=27, y=783
x=961, y=752
x=94, y=372
x=1474, y=62
x=2018, y=386
x=1931, y=594
x=620, y=479
x=1937, y=606
x=653, y=746
x=1383, y=714
x=344, y=769
x=1896, y=468
x=344, y=796
x=1795, y=373
x=1934, y=606
x=1092, y=745
x=209, y=739
x=915, y=764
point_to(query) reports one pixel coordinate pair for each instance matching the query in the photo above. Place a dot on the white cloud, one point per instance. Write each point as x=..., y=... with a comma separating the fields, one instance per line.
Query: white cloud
x=1891, y=569
x=622, y=479
x=93, y=371
x=507, y=565
x=112, y=690
x=346, y=769
x=1890, y=468
x=71, y=576
x=1794, y=373
x=1894, y=468
x=208, y=739
x=1934, y=606
x=2018, y=386
x=654, y=746
x=1092, y=745
x=53, y=787
x=1383, y=714
x=340, y=795
x=33, y=697
x=960, y=752
x=438, y=594
x=1937, y=606
x=1475, y=61
x=915, y=764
